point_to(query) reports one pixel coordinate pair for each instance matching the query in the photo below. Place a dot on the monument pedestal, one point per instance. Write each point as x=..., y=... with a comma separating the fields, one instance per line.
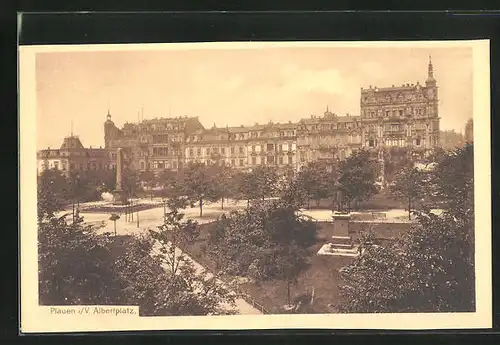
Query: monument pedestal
x=341, y=244
x=120, y=197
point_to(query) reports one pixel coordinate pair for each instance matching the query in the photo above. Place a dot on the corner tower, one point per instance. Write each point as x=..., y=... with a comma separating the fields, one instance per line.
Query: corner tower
x=110, y=131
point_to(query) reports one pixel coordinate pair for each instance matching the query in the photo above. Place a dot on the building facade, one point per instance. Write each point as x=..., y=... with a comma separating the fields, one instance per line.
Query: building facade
x=243, y=147
x=330, y=137
x=394, y=122
x=401, y=120
x=151, y=145
x=73, y=156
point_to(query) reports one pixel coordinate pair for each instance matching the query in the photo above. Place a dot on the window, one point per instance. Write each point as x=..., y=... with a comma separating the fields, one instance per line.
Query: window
x=400, y=113
x=232, y=149
x=81, y=166
x=72, y=166
x=253, y=148
x=289, y=159
x=160, y=165
x=208, y=151
x=223, y=150
x=270, y=147
x=174, y=164
x=142, y=165
x=418, y=142
x=241, y=162
x=281, y=160
x=270, y=160
x=233, y=162
x=190, y=152
x=387, y=113
x=371, y=143
x=215, y=150
x=241, y=149
x=254, y=160
x=88, y=166
x=198, y=151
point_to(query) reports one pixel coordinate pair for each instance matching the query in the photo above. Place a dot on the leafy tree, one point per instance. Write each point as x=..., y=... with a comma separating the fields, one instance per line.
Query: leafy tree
x=130, y=180
x=431, y=267
x=266, y=179
x=224, y=188
x=75, y=265
x=53, y=191
x=169, y=180
x=172, y=234
x=246, y=186
x=358, y=174
x=267, y=241
x=452, y=181
x=199, y=184
x=164, y=281
x=409, y=185
x=149, y=179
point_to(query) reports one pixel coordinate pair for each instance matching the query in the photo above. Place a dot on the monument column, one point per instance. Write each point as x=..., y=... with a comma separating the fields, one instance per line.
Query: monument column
x=119, y=169
x=119, y=195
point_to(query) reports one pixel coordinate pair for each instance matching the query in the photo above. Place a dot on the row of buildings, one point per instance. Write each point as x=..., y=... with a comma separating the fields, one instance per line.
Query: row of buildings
x=393, y=121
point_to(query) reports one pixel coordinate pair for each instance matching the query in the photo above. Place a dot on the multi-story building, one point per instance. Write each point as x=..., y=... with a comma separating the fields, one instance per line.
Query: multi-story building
x=329, y=137
x=151, y=145
x=401, y=120
x=244, y=147
x=73, y=156
x=393, y=121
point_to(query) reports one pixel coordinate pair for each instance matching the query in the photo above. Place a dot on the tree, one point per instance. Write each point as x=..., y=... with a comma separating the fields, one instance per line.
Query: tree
x=53, y=192
x=199, y=184
x=266, y=179
x=224, y=188
x=130, y=181
x=431, y=267
x=169, y=180
x=409, y=185
x=358, y=174
x=318, y=180
x=148, y=177
x=75, y=266
x=164, y=281
x=246, y=186
x=267, y=241
x=452, y=181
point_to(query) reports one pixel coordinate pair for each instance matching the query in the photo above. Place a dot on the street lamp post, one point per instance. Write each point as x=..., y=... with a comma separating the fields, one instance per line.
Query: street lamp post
x=137, y=217
x=114, y=217
x=164, y=210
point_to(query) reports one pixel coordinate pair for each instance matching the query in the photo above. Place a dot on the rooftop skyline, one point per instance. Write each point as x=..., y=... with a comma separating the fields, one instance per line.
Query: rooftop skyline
x=233, y=87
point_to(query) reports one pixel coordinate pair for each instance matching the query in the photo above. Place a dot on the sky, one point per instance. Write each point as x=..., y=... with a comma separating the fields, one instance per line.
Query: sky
x=233, y=86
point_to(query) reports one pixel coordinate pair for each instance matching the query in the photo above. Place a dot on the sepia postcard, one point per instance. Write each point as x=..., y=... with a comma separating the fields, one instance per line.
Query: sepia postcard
x=228, y=186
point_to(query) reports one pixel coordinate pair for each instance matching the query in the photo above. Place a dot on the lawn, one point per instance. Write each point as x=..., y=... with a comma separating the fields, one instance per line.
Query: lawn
x=321, y=275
